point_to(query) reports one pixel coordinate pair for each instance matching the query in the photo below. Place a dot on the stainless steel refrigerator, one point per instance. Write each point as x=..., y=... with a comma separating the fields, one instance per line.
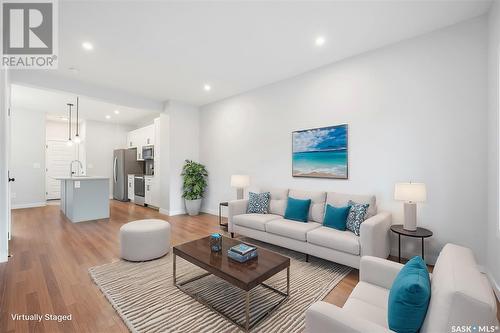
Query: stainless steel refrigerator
x=124, y=163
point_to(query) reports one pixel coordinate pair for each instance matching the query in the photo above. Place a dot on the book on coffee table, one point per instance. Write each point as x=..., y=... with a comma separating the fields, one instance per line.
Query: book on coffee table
x=242, y=249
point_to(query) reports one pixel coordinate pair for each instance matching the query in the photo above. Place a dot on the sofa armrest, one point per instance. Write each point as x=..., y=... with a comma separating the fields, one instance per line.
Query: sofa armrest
x=378, y=271
x=235, y=207
x=374, y=235
x=322, y=317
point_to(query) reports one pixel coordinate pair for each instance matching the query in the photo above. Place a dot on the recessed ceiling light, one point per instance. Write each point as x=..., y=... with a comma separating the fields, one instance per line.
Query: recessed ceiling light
x=87, y=46
x=108, y=116
x=207, y=87
x=320, y=41
x=117, y=112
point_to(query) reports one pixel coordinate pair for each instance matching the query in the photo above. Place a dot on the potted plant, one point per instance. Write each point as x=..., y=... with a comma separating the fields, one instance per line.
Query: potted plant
x=194, y=185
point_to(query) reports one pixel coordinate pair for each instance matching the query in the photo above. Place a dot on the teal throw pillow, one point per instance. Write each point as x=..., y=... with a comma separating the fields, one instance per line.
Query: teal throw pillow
x=336, y=217
x=297, y=209
x=409, y=297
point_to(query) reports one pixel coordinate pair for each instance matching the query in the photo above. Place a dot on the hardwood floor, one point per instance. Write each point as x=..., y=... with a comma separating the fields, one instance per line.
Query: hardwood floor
x=48, y=271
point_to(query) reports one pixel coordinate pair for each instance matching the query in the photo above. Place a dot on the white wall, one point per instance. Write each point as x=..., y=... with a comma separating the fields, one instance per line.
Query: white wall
x=30, y=130
x=493, y=231
x=56, y=130
x=27, y=158
x=181, y=122
x=416, y=111
x=100, y=140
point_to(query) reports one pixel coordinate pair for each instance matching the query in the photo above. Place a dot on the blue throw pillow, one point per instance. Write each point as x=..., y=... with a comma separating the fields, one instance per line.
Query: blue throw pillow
x=336, y=217
x=258, y=203
x=356, y=216
x=409, y=297
x=297, y=209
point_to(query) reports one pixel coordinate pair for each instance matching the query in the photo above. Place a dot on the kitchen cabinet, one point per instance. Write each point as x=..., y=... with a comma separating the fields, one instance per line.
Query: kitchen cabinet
x=148, y=135
x=130, y=185
x=132, y=141
x=148, y=193
x=144, y=136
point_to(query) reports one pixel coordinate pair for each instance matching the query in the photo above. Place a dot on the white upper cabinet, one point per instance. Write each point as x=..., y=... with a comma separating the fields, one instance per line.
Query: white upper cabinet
x=144, y=136
x=148, y=133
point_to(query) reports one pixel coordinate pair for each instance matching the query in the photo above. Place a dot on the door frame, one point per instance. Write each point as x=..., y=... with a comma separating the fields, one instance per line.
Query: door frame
x=5, y=213
x=77, y=155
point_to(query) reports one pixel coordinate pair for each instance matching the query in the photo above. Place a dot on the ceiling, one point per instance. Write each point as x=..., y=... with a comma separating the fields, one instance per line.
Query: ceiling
x=170, y=49
x=53, y=103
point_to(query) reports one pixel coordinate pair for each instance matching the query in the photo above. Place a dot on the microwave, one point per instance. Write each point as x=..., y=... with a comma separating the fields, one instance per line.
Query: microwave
x=148, y=152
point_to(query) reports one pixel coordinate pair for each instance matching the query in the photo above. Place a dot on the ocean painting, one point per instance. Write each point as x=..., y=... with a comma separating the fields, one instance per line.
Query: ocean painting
x=320, y=152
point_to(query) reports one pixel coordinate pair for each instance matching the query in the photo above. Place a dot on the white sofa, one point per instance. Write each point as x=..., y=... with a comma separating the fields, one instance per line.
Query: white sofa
x=312, y=238
x=460, y=296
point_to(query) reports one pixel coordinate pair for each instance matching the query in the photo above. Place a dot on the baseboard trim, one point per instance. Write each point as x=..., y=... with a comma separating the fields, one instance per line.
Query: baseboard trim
x=212, y=212
x=171, y=212
x=494, y=284
x=177, y=212
x=29, y=205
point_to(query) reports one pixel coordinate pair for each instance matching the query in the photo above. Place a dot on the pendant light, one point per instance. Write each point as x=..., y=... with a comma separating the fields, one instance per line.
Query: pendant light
x=77, y=139
x=69, y=143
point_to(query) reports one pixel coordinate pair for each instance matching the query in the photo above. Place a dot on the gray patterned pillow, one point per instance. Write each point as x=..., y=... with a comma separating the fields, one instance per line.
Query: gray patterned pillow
x=356, y=216
x=258, y=202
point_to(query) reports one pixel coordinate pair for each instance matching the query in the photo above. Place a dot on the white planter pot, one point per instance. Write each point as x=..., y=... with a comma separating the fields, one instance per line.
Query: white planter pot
x=193, y=206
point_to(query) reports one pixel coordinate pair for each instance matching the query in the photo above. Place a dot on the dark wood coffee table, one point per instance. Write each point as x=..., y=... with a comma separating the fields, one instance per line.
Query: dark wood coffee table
x=245, y=276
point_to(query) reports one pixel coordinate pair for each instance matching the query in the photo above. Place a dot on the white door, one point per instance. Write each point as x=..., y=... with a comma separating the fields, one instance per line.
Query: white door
x=58, y=157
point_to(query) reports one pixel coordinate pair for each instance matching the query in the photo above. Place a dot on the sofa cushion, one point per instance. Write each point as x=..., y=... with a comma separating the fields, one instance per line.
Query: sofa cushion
x=344, y=241
x=317, y=210
x=340, y=200
x=371, y=293
x=409, y=297
x=291, y=229
x=277, y=204
x=254, y=221
x=460, y=294
x=367, y=311
x=297, y=209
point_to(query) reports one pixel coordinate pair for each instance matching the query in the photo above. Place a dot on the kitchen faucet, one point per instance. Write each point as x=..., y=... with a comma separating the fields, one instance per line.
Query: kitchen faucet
x=71, y=167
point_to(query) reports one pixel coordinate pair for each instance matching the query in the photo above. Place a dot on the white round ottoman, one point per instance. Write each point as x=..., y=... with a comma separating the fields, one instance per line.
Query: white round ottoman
x=144, y=240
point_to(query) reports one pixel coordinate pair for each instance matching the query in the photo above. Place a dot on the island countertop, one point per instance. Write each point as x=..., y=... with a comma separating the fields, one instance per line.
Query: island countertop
x=84, y=198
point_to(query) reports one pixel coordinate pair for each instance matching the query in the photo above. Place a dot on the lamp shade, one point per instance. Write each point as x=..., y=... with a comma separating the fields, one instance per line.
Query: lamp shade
x=414, y=192
x=240, y=181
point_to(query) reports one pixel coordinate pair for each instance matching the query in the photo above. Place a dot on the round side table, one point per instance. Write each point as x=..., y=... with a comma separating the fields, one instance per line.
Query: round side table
x=419, y=233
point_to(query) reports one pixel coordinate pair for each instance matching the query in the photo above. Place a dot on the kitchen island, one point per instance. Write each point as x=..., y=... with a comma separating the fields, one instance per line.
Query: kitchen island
x=85, y=198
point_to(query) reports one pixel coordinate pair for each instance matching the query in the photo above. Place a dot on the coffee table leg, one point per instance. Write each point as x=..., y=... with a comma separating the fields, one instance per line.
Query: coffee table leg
x=247, y=311
x=175, y=278
x=288, y=280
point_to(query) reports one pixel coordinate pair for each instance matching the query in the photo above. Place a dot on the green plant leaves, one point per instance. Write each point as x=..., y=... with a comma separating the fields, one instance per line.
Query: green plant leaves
x=194, y=180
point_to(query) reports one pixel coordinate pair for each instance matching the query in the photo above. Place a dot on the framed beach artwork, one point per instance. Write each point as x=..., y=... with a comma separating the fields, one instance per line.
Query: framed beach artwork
x=320, y=152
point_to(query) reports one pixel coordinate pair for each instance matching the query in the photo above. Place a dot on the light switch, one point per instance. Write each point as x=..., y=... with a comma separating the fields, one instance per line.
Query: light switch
x=90, y=166
x=77, y=184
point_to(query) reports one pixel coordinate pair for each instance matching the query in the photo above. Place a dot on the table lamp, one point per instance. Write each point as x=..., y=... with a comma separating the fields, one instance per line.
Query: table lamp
x=410, y=193
x=240, y=182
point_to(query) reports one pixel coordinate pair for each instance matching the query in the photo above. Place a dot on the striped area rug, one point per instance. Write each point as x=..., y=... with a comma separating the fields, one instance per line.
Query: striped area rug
x=144, y=296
